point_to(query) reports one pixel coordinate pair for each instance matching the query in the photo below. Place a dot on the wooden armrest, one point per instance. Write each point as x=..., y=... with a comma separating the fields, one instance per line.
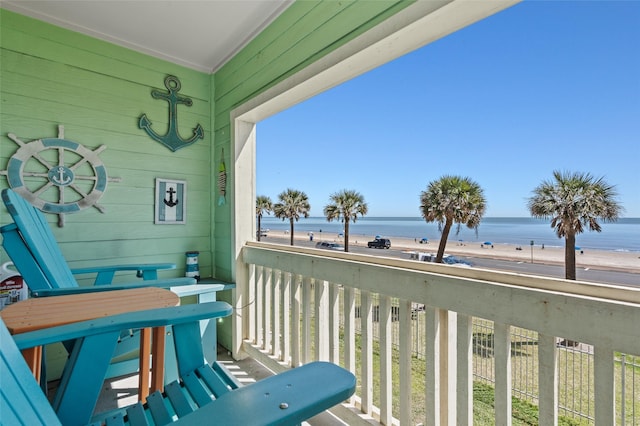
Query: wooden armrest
x=286, y=398
x=146, y=271
x=132, y=320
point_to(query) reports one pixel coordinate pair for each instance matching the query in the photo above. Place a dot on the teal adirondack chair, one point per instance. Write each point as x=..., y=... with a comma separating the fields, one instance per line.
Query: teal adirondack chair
x=32, y=247
x=34, y=251
x=204, y=394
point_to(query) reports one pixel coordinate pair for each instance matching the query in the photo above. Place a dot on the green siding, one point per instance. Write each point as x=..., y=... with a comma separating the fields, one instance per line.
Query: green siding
x=97, y=90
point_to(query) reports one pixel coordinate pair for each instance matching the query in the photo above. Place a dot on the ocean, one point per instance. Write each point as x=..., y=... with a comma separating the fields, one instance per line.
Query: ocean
x=623, y=235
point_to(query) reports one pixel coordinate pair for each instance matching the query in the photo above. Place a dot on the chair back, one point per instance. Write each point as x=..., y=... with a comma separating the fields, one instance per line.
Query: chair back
x=32, y=247
x=22, y=402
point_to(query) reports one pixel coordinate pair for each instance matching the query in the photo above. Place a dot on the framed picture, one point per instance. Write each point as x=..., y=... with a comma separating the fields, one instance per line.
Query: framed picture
x=171, y=202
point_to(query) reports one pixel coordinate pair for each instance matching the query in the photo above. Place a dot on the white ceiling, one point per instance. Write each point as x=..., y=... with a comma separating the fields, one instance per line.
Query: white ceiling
x=199, y=34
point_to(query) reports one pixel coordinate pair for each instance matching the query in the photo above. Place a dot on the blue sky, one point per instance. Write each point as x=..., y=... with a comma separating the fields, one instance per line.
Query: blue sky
x=539, y=87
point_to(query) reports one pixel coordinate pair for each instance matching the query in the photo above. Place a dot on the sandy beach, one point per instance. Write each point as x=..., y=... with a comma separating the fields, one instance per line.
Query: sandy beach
x=597, y=259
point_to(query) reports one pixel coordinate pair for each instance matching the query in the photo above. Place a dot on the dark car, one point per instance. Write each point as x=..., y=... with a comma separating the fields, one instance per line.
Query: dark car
x=383, y=243
x=329, y=246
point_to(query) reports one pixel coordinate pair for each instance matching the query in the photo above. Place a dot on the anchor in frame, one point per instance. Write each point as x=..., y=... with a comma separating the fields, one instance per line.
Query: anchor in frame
x=171, y=139
x=171, y=202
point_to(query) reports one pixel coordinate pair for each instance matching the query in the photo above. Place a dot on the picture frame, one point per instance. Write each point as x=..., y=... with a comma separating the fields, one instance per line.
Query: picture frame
x=171, y=202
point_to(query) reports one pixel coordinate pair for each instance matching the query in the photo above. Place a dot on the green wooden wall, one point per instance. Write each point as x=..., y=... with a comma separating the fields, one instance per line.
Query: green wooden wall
x=97, y=90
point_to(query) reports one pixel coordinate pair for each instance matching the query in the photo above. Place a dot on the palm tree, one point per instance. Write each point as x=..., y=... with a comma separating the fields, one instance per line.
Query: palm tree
x=574, y=201
x=346, y=204
x=449, y=200
x=292, y=205
x=263, y=205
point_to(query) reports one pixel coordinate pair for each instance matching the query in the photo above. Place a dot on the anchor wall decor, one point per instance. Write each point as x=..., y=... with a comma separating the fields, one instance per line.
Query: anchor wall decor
x=171, y=139
x=171, y=202
x=44, y=169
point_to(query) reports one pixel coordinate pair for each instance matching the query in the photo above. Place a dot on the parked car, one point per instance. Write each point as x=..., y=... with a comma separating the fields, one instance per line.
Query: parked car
x=452, y=260
x=447, y=259
x=329, y=246
x=382, y=243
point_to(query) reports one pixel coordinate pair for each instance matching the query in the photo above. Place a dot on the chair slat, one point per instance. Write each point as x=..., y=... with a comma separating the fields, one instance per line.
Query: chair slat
x=114, y=420
x=178, y=399
x=229, y=378
x=213, y=380
x=159, y=412
x=136, y=415
x=196, y=389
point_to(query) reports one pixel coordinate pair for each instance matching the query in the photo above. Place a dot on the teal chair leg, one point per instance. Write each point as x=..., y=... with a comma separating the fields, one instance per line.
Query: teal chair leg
x=84, y=374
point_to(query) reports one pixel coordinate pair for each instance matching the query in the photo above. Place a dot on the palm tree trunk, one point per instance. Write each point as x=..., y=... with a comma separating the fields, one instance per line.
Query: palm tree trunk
x=259, y=226
x=570, y=257
x=291, y=226
x=443, y=240
x=346, y=235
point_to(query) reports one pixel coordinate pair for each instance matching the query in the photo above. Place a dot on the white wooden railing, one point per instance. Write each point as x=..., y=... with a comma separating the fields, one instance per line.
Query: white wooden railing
x=294, y=305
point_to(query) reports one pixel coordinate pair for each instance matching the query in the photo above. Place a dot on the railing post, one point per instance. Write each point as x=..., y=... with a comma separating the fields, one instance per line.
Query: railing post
x=604, y=378
x=276, y=318
x=367, y=351
x=547, y=380
x=502, y=348
x=432, y=371
x=441, y=362
x=349, y=330
x=405, y=378
x=448, y=363
x=464, y=414
x=386, y=388
x=286, y=318
x=249, y=312
x=240, y=295
x=623, y=387
x=306, y=319
x=266, y=311
x=334, y=323
x=259, y=306
x=296, y=296
x=322, y=320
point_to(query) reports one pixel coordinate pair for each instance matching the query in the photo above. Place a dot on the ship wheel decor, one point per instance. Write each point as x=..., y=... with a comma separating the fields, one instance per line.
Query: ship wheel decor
x=56, y=168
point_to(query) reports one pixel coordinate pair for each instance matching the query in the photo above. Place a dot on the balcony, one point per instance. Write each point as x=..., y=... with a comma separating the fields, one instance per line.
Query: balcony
x=398, y=323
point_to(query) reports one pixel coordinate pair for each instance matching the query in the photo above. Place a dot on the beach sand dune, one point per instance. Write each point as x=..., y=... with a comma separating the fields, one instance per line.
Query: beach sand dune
x=597, y=259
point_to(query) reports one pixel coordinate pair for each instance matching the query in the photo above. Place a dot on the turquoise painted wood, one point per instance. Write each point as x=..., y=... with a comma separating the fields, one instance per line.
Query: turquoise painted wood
x=21, y=399
x=35, y=252
x=204, y=395
x=32, y=247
